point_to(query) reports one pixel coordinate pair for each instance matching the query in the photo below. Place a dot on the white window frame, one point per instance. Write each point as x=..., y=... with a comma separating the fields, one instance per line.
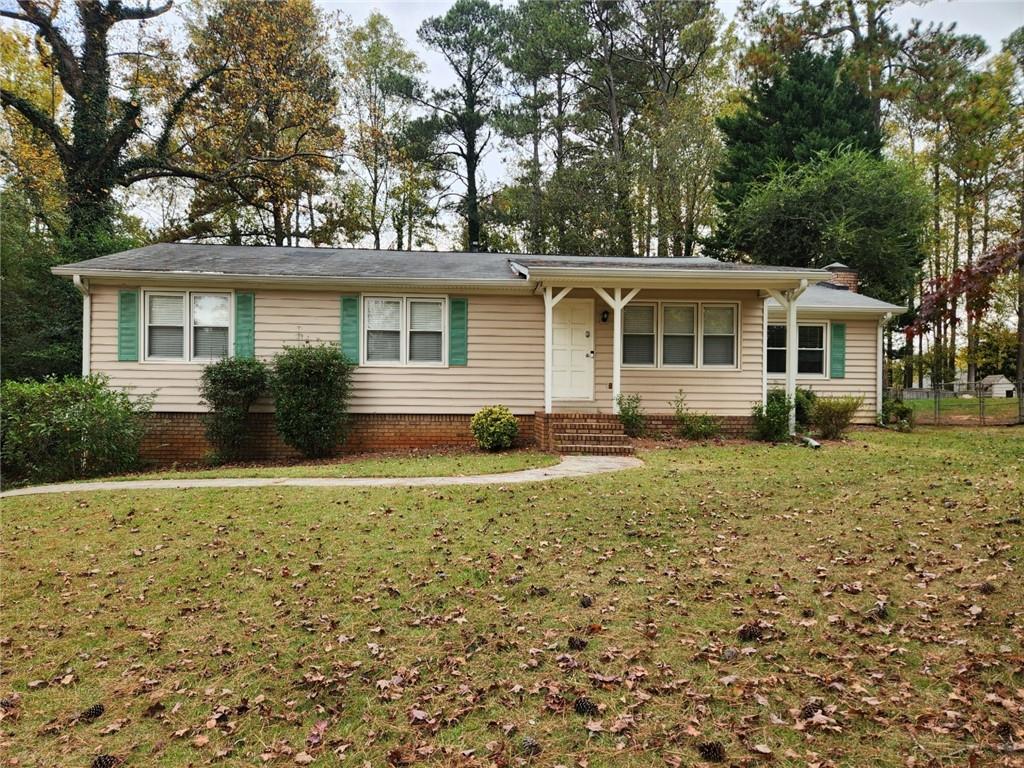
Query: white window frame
x=403, y=329
x=825, y=328
x=654, y=331
x=698, y=362
x=188, y=357
x=695, y=306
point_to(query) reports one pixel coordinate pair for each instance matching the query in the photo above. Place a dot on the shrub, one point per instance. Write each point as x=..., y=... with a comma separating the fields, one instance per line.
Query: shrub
x=771, y=418
x=311, y=386
x=230, y=387
x=494, y=427
x=898, y=414
x=65, y=429
x=691, y=425
x=634, y=422
x=832, y=415
x=804, y=401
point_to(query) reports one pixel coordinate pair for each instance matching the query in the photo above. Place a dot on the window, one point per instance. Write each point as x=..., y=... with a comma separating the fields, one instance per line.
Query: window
x=384, y=330
x=678, y=334
x=638, y=335
x=187, y=325
x=810, y=355
x=210, y=313
x=165, y=326
x=425, y=331
x=719, y=335
x=404, y=330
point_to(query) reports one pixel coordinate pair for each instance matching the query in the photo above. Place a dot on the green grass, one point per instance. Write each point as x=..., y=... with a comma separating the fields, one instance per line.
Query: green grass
x=426, y=465
x=1002, y=409
x=219, y=626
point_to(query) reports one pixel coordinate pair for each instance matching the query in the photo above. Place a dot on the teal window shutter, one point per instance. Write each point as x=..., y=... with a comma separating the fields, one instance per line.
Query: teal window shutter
x=245, y=324
x=458, y=331
x=128, y=326
x=837, y=354
x=350, y=328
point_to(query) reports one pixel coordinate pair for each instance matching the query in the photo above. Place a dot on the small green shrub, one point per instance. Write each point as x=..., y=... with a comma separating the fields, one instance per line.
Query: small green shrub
x=832, y=415
x=63, y=429
x=311, y=385
x=804, y=401
x=771, y=418
x=896, y=414
x=634, y=422
x=494, y=427
x=230, y=387
x=691, y=425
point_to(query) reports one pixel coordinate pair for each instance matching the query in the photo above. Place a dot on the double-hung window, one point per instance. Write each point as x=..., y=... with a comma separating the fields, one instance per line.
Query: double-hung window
x=810, y=354
x=718, y=343
x=638, y=335
x=187, y=325
x=678, y=334
x=407, y=330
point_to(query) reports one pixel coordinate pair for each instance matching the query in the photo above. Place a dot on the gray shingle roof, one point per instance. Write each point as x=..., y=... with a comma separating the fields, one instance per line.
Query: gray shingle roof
x=821, y=296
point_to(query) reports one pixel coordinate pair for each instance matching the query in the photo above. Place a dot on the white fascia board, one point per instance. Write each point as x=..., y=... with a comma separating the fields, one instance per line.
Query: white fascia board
x=647, y=277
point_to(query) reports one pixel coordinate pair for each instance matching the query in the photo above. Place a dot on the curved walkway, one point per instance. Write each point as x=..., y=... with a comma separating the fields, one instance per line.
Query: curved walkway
x=569, y=466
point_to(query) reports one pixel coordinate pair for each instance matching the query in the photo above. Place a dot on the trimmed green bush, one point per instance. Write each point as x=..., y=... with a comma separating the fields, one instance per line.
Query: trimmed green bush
x=230, y=387
x=833, y=415
x=311, y=385
x=804, y=402
x=64, y=429
x=771, y=418
x=631, y=414
x=691, y=425
x=494, y=427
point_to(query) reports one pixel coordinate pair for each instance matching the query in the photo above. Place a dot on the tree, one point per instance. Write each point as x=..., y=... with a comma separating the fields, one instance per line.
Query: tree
x=375, y=64
x=105, y=145
x=847, y=206
x=805, y=107
x=471, y=37
x=269, y=117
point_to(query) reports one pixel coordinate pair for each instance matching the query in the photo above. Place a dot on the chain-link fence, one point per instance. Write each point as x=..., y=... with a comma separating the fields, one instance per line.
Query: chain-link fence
x=991, y=401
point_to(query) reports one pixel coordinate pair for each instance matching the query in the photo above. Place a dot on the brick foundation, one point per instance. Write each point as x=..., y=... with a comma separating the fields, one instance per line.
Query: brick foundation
x=178, y=438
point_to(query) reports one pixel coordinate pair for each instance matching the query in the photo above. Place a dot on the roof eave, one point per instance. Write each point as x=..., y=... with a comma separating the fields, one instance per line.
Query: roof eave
x=887, y=309
x=656, y=277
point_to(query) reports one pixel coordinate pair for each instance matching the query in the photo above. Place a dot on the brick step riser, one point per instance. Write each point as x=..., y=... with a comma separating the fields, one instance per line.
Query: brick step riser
x=569, y=439
x=595, y=450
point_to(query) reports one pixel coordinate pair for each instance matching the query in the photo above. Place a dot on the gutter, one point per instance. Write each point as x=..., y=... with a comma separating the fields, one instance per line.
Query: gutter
x=83, y=288
x=640, y=273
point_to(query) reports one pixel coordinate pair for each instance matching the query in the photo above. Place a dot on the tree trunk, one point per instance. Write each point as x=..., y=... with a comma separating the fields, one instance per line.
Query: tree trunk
x=472, y=203
x=972, y=365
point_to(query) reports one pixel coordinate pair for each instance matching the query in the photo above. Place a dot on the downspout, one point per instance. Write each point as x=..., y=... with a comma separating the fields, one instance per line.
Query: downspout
x=83, y=288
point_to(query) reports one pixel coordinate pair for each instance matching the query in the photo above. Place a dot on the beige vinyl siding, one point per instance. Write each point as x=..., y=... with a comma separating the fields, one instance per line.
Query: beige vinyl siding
x=725, y=392
x=506, y=356
x=861, y=378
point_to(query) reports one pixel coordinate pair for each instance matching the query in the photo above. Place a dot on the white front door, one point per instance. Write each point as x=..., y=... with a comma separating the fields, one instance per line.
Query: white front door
x=572, y=358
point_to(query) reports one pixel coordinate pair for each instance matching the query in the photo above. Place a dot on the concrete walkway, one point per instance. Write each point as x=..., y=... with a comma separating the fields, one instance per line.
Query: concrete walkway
x=570, y=466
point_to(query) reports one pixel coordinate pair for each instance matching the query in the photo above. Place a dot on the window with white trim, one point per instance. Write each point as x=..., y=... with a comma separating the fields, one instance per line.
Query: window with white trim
x=638, y=334
x=678, y=334
x=810, y=354
x=187, y=325
x=404, y=330
x=718, y=342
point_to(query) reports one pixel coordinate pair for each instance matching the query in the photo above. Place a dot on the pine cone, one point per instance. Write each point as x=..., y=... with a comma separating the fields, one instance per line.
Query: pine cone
x=712, y=751
x=586, y=601
x=577, y=643
x=529, y=746
x=987, y=588
x=810, y=709
x=91, y=713
x=878, y=612
x=750, y=631
x=105, y=761
x=585, y=707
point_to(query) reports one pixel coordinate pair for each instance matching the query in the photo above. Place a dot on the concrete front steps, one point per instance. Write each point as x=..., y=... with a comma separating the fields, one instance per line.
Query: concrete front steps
x=589, y=434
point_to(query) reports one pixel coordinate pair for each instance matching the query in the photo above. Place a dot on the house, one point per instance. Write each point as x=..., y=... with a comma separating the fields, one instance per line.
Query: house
x=435, y=336
x=996, y=385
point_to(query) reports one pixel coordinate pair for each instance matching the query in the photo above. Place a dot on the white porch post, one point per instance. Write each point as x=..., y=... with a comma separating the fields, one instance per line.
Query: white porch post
x=549, y=305
x=787, y=299
x=617, y=303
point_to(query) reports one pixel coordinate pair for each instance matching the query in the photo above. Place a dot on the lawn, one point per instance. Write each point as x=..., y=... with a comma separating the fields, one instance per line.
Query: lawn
x=419, y=465
x=997, y=409
x=857, y=605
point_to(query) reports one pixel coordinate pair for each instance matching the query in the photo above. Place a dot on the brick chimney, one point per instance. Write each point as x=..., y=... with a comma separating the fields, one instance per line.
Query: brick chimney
x=844, y=276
